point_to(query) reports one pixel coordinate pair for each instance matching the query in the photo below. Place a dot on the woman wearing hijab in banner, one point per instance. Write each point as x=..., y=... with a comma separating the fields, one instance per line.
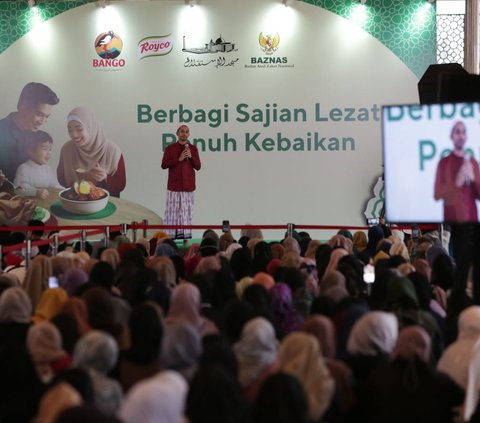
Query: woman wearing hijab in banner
x=90, y=155
x=182, y=160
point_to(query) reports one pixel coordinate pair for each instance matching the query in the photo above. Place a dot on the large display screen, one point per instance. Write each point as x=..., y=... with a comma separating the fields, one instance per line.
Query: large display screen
x=431, y=155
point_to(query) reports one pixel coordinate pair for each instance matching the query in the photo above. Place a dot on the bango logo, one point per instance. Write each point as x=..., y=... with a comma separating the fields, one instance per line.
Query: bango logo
x=108, y=45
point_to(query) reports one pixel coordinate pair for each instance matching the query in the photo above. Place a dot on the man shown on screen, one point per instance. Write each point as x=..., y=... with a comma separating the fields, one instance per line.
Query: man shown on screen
x=457, y=181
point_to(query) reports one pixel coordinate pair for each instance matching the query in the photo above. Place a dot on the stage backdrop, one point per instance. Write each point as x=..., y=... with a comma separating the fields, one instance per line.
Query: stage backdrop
x=284, y=103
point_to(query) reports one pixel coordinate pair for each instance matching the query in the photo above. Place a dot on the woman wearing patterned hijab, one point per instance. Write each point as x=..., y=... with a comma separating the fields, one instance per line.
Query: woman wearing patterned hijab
x=100, y=160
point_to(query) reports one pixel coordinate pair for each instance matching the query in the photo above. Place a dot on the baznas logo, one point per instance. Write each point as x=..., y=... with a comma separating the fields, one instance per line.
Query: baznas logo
x=268, y=44
x=108, y=45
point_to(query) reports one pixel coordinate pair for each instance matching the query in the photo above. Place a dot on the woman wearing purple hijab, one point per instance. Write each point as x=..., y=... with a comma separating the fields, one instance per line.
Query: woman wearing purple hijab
x=287, y=319
x=72, y=279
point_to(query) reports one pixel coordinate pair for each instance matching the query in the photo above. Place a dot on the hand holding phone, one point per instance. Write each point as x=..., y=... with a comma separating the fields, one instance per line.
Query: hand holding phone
x=415, y=232
x=225, y=226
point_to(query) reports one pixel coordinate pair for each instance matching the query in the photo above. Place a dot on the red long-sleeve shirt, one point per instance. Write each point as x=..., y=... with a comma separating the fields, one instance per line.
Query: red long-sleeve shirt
x=181, y=174
x=458, y=202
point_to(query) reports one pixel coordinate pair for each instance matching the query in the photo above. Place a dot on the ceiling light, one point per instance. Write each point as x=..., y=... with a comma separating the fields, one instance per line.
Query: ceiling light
x=191, y=3
x=363, y=1
x=32, y=3
x=288, y=3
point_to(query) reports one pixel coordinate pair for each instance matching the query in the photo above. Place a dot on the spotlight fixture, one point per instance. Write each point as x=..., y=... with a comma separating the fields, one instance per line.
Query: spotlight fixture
x=102, y=3
x=431, y=1
x=191, y=3
x=32, y=3
x=363, y=1
x=289, y=3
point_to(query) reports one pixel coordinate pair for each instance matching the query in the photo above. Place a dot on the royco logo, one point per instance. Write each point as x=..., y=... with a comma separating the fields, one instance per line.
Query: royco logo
x=154, y=46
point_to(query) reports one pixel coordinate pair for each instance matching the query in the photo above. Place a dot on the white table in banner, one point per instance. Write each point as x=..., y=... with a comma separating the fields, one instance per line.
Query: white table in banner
x=117, y=211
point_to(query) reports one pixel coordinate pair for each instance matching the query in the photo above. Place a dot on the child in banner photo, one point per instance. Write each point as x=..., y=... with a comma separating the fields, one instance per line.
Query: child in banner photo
x=34, y=176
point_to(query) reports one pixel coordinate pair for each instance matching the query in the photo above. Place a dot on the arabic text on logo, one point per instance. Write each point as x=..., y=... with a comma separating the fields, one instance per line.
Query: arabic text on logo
x=154, y=46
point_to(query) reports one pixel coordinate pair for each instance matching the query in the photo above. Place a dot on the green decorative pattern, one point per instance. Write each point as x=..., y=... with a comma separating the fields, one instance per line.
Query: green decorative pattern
x=406, y=27
x=15, y=17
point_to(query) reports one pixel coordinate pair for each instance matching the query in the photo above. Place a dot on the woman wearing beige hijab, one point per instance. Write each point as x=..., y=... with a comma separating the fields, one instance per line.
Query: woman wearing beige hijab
x=456, y=358
x=36, y=278
x=300, y=356
x=44, y=343
x=57, y=399
x=99, y=159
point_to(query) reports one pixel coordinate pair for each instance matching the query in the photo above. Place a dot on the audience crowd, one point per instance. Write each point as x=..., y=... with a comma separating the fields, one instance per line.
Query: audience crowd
x=238, y=331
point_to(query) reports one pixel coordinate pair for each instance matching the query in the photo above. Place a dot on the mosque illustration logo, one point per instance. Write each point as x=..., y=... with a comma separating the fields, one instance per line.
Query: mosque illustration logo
x=108, y=45
x=217, y=46
x=268, y=43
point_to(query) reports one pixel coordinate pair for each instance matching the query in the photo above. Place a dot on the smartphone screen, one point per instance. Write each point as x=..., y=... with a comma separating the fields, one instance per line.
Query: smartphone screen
x=369, y=274
x=52, y=282
x=225, y=226
x=415, y=232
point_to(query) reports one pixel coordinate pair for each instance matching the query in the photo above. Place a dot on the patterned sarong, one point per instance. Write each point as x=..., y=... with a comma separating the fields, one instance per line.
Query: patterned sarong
x=179, y=211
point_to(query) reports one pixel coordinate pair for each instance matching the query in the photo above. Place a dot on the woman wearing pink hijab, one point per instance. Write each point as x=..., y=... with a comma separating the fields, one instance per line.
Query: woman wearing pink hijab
x=91, y=154
x=185, y=304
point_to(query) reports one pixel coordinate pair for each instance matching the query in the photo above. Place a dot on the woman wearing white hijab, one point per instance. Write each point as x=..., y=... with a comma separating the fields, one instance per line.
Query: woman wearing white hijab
x=369, y=345
x=160, y=398
x=99, y=159
x=15, y=306
x=374, y=333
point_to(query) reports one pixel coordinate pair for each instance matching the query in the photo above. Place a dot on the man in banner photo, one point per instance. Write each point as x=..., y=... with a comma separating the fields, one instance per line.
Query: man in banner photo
x=182, y=160
x=457, y=181
x=33, y=110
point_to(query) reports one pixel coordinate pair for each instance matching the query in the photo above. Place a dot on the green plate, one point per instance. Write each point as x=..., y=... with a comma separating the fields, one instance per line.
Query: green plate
x=59, y=211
